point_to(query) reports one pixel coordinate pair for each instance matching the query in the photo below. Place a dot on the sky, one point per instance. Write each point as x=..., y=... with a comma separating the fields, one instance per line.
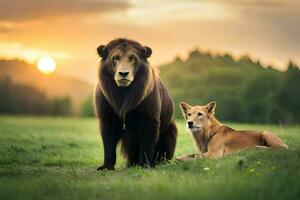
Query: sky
x=71, y=30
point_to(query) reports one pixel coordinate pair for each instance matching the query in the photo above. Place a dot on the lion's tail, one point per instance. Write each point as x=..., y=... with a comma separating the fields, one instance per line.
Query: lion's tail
x=273, y=140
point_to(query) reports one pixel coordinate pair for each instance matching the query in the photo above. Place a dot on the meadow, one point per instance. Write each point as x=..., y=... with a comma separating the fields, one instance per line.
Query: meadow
x=56, y=158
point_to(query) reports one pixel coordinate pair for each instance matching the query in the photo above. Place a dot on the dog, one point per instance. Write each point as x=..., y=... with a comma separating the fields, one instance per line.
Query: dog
x=215, y=140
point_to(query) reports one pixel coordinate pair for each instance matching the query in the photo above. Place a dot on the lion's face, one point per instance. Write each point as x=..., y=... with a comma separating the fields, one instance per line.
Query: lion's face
x=123, y=60
x=125, y=64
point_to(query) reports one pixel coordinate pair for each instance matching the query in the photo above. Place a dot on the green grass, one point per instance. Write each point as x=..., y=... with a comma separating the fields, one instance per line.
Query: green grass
x=56, y=158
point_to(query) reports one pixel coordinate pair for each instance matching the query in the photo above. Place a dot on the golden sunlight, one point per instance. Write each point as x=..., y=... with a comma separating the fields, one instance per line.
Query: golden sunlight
x=46, y=65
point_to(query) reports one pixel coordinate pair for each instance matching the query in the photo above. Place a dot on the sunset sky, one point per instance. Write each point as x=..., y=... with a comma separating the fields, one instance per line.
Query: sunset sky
x=70, y=30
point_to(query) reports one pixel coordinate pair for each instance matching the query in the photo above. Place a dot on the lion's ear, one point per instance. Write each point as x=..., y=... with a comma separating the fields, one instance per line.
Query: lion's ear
x=211, y=107
x=146, y=52
x=102, y=52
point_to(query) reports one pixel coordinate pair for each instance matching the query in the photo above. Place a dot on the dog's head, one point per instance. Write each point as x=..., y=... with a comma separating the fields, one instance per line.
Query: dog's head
x=198, y=117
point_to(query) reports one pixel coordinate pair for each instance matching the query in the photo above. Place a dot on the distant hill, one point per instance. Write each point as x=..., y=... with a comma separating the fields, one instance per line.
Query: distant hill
x=244, y=89
x=53, y=85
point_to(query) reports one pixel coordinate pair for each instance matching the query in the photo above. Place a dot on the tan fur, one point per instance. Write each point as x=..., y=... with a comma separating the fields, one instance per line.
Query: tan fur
x=215, y=140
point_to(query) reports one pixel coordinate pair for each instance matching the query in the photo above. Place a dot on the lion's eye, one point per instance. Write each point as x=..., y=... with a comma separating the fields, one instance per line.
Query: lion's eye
x=189, y=114
x=132, y=59
x=116, y=59
x=200, y=114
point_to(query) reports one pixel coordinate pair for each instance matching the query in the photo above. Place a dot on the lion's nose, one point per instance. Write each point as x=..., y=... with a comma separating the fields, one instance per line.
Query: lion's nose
x=123, y=74
x=190, y=123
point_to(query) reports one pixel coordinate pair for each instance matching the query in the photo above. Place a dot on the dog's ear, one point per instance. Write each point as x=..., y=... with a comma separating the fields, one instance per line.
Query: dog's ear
x=102, y=52
x=146, y=52
x=211, y=107
x=184, y=108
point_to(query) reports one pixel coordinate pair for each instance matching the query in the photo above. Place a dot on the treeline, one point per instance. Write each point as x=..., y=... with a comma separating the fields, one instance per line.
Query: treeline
x=87, y=107
x=245, y=91
x=271, y=98
x=22, y=99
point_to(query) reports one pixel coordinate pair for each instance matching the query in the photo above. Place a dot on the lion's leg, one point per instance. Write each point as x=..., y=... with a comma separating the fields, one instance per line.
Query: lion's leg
x=148, y=139
x=110, y=137
x=165, y=147
x=130, y=146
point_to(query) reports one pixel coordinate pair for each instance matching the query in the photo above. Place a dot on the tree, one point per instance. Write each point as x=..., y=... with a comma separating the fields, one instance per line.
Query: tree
x=21, y=99
x=87, y=107
x=288, y=96
x=60, y=106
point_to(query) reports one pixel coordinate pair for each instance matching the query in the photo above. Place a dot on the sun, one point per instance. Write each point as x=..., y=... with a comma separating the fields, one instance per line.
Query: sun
x=46, y=65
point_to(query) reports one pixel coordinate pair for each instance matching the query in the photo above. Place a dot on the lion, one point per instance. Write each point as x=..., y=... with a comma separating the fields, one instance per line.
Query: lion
x=133, y=106
x=215, y=140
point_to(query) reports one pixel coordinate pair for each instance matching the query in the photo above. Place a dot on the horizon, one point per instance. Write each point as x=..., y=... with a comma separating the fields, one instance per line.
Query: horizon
x=185, y=58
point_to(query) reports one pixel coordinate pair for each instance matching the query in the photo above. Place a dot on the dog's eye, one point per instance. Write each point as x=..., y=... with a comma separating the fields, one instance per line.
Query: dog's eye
x=200, y=114
x=132, y=59
x=189, y=114
x=116, y=59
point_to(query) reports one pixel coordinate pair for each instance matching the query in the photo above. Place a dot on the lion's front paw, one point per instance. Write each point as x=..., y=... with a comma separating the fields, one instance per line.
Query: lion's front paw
x=104, y=167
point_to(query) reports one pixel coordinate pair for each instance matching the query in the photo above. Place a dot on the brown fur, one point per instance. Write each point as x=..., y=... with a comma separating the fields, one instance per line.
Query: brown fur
x=138, y=114
x=215, y=140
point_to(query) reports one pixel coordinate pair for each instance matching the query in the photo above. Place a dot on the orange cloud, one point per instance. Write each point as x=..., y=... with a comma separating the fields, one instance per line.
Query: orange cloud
x=11, y=50
x=16, y=10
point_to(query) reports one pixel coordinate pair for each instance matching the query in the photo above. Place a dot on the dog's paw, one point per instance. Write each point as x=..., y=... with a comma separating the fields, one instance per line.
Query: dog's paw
x=104, y=167
x=181, y=158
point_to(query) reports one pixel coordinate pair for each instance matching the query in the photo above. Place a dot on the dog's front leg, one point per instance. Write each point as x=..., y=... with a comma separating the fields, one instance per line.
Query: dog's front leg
x=189, y=156
x=213, y=154
x=262, y=147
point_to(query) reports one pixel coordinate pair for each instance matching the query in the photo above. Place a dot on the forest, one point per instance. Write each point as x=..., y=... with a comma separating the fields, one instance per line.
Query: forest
x=22, y=99
x=244, y=89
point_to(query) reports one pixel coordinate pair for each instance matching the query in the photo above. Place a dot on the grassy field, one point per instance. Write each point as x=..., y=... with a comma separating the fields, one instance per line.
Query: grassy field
x=56, y=158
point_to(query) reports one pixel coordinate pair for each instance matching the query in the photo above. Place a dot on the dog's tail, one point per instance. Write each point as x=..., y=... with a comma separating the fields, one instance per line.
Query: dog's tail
x=273, y=140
